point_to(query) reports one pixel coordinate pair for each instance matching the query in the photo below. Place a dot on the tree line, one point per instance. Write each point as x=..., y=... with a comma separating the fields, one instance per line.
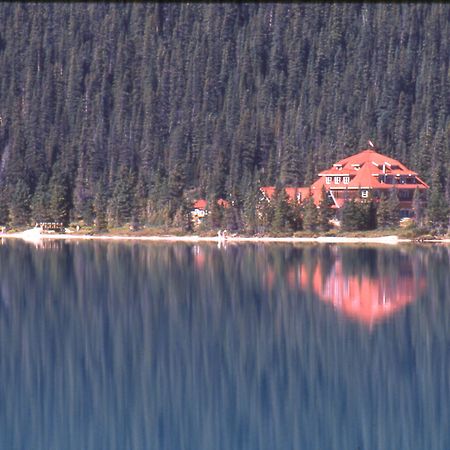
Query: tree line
x=281, y=214
x=118, y=113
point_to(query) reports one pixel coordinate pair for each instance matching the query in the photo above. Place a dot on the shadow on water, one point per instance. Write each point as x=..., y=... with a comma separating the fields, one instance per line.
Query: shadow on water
x=136, y=346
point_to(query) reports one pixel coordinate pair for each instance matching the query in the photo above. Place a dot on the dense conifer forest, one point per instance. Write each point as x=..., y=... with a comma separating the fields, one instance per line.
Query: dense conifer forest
x=127, y=112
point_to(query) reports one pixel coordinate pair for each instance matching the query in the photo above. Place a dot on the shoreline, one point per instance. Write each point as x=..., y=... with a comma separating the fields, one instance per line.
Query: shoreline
x=34, y=235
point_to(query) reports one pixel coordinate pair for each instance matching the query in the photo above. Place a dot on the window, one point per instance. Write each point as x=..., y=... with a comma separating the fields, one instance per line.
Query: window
x=337, y=180
x=346, y=180
x=364, y=194
x=328, y=180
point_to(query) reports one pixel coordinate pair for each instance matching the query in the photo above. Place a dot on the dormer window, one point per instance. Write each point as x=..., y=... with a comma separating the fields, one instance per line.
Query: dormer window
x=338, y=166
x=328, y=180
x=356, y=166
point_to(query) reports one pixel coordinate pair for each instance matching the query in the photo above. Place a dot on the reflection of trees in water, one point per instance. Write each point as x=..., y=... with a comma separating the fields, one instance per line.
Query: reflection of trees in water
x=157, y=346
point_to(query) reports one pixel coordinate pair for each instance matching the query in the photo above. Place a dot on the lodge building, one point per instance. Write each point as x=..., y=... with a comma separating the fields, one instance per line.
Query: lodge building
x=360, y=176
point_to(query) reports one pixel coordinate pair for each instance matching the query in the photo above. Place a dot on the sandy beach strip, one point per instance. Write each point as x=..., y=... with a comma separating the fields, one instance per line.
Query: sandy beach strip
x=35, y=235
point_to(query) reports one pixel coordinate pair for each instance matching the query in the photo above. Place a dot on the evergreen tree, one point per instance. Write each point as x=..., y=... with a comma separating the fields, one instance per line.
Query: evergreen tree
x=310, y=215
x=100, y=207
x=388, y=212
x=325, y=212
x=40, y=202
x=4, y=207
x=351, y=219
x=20, y=204
x=122, y=200
x=418, y=207
x=215, y=214
x=280, y=202
x=393, y=205
x=383, y=220
x=59, y=202
x=438, y=210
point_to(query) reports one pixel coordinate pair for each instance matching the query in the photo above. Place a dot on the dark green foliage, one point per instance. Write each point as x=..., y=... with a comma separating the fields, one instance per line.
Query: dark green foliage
x=388, y=211
x=310, y=215
x=40, y=203
x=20, y=204
x=418, y=207
x=280, y=205
x=183, y=217
x=358, y=215
x=122, y=200
x=325, y=212
x=100, y=206
x=163, y=99
x=60, y=197
x=438, y=209
x=216, y=215
x=4, y=207
x=351, y=216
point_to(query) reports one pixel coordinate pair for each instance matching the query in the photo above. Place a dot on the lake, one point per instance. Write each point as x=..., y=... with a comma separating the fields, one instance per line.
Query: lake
x=159, y=346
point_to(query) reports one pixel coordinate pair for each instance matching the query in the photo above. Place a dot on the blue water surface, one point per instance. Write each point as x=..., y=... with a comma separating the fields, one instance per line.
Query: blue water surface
x=178, y=346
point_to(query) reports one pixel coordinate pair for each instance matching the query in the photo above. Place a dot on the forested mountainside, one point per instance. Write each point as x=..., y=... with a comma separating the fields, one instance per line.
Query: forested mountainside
x=121, y=111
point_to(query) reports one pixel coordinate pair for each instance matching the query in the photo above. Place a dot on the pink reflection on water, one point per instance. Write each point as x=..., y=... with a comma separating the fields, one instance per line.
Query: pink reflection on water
x=359, y=296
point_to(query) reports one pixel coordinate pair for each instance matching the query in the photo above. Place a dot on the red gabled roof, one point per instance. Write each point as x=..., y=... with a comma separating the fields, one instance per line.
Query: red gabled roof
x=364, y=168
x=200, y=204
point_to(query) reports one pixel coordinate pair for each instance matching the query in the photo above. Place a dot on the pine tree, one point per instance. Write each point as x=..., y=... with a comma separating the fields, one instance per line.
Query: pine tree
x=418, y=207
x=4, y=206
x=40, y=202
x=123, y=196
x=388, y=212
x=351, y=217
x=215, y=214
x=383, y=220
x=59, y=204
x=310, y=215
x=20, y=204
x=438, y=210
x=325, y=212
x=100, y=206
x=393, y=205
x=280, y=209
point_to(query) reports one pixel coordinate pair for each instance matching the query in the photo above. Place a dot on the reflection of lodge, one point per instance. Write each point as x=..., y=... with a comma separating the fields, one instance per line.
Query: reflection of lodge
x=360, y=296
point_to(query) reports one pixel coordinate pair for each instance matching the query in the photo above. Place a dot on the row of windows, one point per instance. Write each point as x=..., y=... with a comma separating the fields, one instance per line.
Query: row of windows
x=402, y=179
x=337, y=180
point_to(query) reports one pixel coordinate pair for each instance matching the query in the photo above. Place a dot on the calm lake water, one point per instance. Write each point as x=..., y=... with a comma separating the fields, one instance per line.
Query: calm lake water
x=155, y=346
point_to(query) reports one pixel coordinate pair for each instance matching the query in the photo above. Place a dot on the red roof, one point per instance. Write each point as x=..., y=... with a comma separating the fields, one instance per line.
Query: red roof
x=364, y=169
x=202, y=203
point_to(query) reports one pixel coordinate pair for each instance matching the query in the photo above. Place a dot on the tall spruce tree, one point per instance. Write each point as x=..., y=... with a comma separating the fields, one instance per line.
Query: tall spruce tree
x=310, y=215
x=20, y=204
x=325, y=212
x=438, y=210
